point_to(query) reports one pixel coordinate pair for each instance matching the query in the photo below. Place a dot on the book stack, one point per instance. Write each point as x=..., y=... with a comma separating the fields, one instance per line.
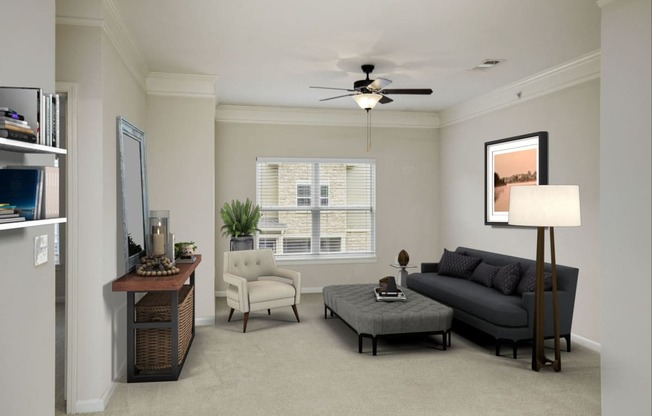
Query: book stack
x=49, y=120
x=13, y=126
x=8, y=214
x=32, y=191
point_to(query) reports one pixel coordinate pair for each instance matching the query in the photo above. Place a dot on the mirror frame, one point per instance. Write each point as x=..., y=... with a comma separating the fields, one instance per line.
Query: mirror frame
x=127, y=130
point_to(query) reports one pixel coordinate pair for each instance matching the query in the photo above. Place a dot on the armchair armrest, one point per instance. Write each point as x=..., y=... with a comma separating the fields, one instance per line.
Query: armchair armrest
x=429, y=267
x=295, y=277
x=243, y=291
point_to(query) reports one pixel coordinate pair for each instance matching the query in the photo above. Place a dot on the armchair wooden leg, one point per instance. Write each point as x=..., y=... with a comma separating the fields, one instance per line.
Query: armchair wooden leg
x=269, y=311
x=244, y=325
x=230, y=315
x=296, y=313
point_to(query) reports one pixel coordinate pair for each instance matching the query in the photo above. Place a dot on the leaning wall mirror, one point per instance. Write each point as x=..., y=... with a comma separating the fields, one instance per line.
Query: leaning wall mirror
x=132, y=195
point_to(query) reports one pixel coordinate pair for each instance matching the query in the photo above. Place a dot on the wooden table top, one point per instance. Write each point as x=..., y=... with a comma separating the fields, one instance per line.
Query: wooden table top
x=132, y=282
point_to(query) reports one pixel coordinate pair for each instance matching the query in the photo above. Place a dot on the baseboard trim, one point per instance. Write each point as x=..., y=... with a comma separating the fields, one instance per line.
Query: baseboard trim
x=205, y=321
x=96, y=405
x=585, y=342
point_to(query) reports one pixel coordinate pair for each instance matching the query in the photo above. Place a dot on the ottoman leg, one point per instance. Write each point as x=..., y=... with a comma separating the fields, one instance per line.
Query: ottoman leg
x=374, y=343
x=359, y=344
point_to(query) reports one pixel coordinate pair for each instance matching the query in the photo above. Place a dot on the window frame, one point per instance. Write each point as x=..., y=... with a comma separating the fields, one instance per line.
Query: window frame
x=317, y=187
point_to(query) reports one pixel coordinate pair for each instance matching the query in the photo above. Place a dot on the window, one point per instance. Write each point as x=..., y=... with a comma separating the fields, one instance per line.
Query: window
x=304, y=195
x=317, y=208
x=267, y=243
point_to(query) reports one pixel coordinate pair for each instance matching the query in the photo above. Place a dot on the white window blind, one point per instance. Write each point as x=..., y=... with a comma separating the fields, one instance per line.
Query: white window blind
x=317, y=208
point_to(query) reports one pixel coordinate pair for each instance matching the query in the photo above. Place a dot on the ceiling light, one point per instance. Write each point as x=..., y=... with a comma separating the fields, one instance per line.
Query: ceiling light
x=367, y=101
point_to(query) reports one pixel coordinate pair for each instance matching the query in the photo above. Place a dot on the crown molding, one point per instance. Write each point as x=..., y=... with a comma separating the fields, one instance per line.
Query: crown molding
x=121, y=37
x=582, y=69
x=116, y=30
x=324, y=117
x=181, y=85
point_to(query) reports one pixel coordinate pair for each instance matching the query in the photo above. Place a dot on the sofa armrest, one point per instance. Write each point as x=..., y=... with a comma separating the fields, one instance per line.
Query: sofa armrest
x=565, y=301
x=429, y=267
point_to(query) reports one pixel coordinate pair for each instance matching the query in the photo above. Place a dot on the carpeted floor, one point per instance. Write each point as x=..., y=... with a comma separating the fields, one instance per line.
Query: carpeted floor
x=281, y=367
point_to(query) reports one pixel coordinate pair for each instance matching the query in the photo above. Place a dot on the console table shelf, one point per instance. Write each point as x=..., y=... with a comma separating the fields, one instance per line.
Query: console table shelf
x=132, y=283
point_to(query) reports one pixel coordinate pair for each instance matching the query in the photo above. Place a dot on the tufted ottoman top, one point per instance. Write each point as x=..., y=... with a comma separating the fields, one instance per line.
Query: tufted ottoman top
x=356, y=304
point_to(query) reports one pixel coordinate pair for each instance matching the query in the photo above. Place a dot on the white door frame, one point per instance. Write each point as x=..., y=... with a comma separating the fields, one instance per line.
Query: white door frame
x=71, y=272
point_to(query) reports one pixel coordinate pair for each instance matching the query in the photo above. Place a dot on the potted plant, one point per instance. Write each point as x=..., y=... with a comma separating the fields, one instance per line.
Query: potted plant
x=240, y=223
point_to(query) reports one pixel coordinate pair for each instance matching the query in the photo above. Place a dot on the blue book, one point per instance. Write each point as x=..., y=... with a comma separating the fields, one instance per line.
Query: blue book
x=20, y=187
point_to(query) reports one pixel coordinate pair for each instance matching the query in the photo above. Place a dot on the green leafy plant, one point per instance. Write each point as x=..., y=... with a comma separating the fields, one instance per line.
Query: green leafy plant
x=240, y=218
x=179, y=246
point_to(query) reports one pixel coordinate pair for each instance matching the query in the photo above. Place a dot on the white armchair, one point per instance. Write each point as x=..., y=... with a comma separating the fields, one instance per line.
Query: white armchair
x=255, y=283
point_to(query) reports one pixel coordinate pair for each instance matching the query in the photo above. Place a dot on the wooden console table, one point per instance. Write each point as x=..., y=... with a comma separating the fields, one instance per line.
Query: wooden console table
x=132, y=284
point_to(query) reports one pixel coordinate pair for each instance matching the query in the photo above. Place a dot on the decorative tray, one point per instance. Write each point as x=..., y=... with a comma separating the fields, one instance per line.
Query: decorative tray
x=389, y=296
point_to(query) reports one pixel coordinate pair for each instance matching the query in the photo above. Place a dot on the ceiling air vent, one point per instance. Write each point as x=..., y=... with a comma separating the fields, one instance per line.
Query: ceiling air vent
x=487, y=63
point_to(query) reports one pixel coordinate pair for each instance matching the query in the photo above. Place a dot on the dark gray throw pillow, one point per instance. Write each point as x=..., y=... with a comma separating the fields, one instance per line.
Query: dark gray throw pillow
x=457, y=265
x=507, y=278
x=484, y=274
x=529, y=279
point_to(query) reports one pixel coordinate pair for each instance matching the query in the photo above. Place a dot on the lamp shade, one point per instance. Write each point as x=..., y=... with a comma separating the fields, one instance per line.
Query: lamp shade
x=545, y=206
x=367, y=101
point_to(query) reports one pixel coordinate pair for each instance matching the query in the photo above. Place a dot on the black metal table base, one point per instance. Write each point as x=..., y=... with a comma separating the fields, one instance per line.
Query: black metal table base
x=446, y=334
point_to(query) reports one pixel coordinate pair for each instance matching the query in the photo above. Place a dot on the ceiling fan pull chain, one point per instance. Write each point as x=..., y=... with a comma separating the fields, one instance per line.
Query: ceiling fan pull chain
x=368, y=130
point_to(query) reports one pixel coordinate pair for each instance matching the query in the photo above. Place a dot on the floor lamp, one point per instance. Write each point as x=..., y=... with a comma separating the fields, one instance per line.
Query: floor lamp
x=545, y=206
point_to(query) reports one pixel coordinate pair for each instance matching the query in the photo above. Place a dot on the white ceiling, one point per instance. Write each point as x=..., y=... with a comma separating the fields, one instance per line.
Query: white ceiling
x=268, y=53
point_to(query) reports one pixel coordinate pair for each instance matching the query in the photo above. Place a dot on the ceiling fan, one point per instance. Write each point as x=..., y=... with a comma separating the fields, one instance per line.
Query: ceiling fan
x=369, y=92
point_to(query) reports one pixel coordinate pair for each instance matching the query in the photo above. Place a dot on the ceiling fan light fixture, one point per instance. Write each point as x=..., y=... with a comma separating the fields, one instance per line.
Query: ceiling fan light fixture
x=367, y=101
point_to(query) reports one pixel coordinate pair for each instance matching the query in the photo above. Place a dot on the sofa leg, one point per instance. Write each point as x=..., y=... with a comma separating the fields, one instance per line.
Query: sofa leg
x=568, y=342
x=230, y=315
x=514, y=348
x=497, y=348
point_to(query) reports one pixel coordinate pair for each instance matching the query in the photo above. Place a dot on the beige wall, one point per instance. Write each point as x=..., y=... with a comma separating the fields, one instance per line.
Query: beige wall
x=106, y=89
x=406, y=187
x=27, y=307
x=571, y=117
x=626, y=207
x=181, y=177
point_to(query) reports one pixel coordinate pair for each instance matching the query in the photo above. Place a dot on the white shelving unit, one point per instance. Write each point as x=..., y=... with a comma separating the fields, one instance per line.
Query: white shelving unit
x=20, y=147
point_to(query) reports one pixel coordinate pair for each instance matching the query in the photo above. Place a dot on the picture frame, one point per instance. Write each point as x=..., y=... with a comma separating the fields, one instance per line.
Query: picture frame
x=513, y=161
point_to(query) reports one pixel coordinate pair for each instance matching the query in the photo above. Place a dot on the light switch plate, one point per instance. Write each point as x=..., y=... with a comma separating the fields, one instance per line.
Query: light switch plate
x=40, y=249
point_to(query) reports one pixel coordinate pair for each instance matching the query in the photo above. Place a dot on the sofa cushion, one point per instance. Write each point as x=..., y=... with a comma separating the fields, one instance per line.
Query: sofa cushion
x=484, y=273
x=528, y=281
x=507, y=278
x=470, y=297
x=457, y=265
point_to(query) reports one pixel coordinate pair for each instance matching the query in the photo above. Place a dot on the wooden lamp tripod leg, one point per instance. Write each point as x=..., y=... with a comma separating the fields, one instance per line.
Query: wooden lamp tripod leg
x=539, y=358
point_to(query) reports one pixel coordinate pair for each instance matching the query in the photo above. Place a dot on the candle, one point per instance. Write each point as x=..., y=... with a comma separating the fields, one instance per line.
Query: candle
x=158, y=241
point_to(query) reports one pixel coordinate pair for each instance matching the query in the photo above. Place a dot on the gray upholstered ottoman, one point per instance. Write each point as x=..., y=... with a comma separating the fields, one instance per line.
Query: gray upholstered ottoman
x=356, y=305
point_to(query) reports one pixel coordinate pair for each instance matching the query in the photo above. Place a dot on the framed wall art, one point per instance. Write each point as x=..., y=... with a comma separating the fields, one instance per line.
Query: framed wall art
x=514, y=161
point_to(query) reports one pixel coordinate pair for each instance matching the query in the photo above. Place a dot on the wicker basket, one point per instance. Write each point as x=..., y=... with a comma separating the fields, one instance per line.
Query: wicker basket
x=153, y=345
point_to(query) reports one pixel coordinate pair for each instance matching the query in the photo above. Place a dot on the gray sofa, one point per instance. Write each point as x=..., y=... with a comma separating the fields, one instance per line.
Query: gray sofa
x=507, y=318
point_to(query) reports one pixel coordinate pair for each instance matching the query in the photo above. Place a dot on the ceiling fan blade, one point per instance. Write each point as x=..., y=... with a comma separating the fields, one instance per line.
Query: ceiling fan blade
x=331, y=88
x=385, y=100
x=415, y=91
x=339, y=96
x=378, y=84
